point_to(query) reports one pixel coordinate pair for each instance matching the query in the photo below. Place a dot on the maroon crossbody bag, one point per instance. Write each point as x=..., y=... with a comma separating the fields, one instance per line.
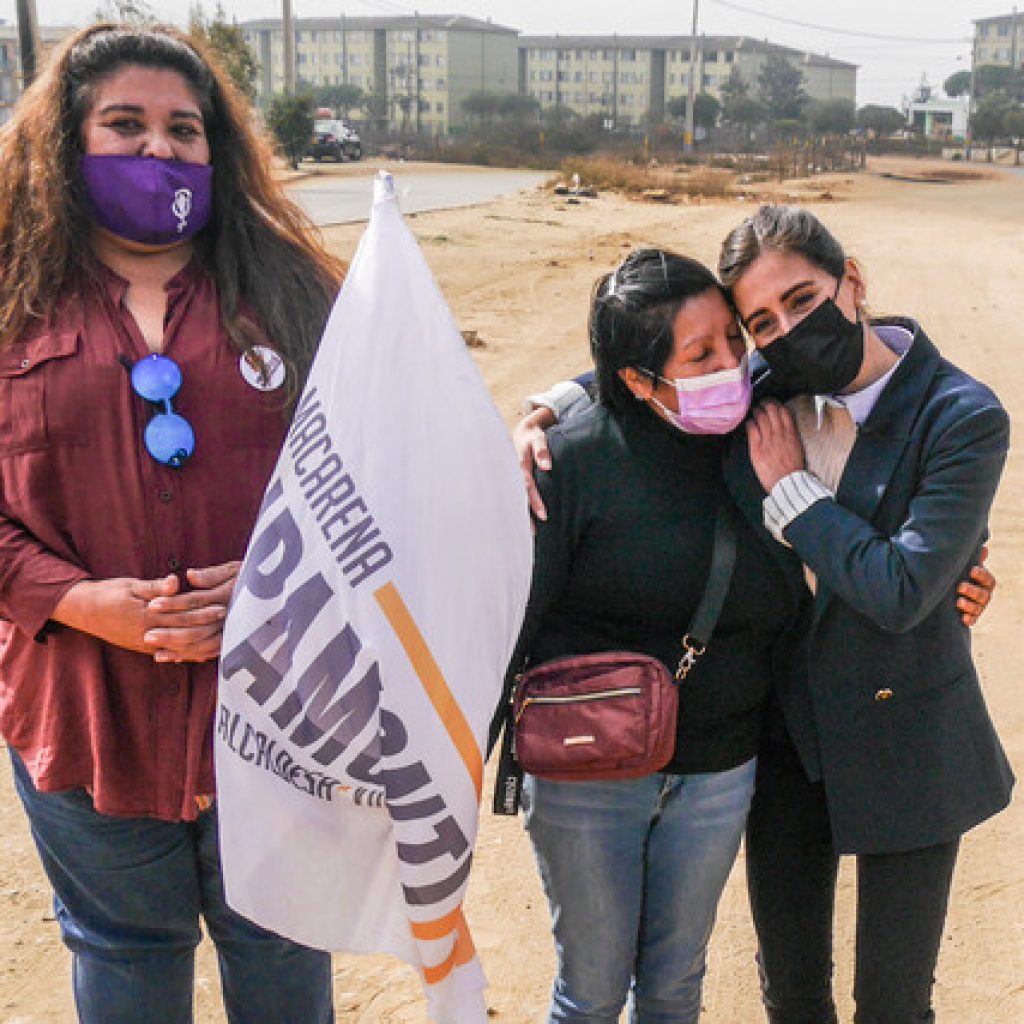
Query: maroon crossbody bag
x=609, y=715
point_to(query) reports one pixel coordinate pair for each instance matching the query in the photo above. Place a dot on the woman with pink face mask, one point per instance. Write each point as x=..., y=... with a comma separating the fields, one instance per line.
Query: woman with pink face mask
x=160, y=303
x=634, y=868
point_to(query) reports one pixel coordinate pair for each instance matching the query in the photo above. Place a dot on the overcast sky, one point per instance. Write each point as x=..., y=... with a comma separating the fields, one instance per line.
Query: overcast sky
x=893, y=41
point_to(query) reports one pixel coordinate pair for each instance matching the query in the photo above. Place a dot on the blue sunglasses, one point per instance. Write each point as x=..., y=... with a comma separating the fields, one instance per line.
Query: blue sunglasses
x=169, y=438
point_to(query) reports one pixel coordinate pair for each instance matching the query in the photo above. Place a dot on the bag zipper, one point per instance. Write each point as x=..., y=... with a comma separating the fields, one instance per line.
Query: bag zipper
x=625, y=691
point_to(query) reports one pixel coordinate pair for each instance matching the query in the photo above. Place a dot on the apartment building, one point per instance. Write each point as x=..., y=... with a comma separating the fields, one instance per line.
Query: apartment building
x=1000, y=40
x=630, y=80
x=419, y=68
x=10, y=61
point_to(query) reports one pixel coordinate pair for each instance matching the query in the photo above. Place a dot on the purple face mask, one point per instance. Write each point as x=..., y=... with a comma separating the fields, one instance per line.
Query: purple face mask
x=713, y=403
x=145, y=199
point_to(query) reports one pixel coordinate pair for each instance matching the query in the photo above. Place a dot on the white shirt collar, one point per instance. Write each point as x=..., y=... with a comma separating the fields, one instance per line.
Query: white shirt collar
x=860, y=403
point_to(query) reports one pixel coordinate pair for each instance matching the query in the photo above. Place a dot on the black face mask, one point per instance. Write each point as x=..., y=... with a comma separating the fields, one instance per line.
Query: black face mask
x=820, y=356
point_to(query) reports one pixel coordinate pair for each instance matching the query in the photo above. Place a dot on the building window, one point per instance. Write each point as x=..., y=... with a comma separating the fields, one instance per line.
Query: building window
x=579, y=55
x=595, y=54
x=439, y=61
x=729, y=56
x=438, y=108
x=563, y=76
x=627, y=54
x=578, y=76
x=684, y=55
x=1004, y=30
x=710, y=56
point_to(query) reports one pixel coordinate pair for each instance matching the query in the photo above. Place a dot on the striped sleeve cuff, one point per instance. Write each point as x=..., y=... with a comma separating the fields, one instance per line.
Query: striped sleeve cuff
x=565, y=399
x=790, y=497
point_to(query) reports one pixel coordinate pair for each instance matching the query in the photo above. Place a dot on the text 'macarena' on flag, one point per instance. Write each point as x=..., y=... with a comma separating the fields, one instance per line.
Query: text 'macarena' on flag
x=376, y=609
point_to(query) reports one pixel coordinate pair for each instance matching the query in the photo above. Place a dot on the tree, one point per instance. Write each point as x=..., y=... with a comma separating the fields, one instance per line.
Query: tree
x=745, y=113
x=880, y=120
x=482, y=105
x=341, y=97
x=516, y=107
x=706, y=110
x=1013, y=123
x=291, y=121
x=228, y=43
x=1013, y=126
x=957, y=84
x=676, y=107
x=781, y=88
x=1000, y=79
x=375, y=108
x=734, y=88
x=987, y=120
x=830, y=117
x=739, y=108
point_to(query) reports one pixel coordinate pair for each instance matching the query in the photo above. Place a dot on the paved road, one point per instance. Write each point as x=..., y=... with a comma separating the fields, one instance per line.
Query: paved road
x=342, y=199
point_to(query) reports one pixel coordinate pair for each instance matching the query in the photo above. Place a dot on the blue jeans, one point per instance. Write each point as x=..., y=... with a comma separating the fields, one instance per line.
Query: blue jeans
x=633, y=870
x=129, y=893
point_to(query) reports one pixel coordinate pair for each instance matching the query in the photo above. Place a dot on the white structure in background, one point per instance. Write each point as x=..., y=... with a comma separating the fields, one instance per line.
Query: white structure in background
x=934, y=116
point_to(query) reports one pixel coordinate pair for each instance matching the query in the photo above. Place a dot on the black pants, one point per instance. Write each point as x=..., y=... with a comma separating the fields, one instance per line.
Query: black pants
x=791, y=877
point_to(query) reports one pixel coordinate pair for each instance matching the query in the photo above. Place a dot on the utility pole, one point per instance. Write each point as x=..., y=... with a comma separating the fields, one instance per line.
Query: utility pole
x=344, y=49
x=1013, y=45
x=288, y=29
x=972, y=102
x=692, y=98
x=28, y=41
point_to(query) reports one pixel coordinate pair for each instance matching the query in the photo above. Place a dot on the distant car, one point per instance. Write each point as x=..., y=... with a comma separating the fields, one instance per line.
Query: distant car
x=334, y=139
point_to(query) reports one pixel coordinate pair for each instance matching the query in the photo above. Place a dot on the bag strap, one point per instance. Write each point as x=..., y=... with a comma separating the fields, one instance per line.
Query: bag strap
x=705, y=618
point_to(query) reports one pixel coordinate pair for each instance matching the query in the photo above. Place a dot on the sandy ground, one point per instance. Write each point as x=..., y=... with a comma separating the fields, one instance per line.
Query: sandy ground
x=518, y=272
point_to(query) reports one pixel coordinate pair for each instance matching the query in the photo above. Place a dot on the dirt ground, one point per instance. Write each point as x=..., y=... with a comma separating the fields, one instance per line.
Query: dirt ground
x=518, y=272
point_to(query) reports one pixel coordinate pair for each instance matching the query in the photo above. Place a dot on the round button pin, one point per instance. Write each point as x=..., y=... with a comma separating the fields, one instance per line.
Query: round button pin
x=262, y=368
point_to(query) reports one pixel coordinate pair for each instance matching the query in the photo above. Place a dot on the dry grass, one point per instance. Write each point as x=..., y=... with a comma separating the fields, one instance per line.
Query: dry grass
x=660, y=182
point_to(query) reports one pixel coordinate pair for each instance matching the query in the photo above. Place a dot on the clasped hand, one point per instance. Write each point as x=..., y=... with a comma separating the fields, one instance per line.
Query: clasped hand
x=775, y=446
x=155, y=617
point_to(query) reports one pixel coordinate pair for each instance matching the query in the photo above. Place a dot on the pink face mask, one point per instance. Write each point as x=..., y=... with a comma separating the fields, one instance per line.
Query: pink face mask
x=714, y=403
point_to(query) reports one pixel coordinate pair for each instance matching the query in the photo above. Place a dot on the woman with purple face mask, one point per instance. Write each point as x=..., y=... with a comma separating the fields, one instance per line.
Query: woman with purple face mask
x=634, y=868
x=160, y=304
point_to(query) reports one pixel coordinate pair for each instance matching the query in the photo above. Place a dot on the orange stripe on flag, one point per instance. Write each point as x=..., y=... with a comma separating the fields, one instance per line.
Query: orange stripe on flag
x=462, y=952
x=437, y=929
x=447, y=708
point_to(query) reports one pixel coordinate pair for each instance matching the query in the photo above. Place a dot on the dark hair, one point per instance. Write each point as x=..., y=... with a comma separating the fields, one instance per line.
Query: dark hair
x=779, y=229
x=632, y=312
x=272, y=273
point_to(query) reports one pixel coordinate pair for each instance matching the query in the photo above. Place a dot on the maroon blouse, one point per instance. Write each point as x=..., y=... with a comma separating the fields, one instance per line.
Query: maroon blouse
x=80, y=497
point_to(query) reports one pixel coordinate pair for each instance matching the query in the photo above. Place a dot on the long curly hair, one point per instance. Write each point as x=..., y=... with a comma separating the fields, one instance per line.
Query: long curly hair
x=271, y=271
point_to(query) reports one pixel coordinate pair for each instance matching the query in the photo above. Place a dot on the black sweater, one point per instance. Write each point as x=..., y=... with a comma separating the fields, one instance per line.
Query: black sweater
x=622, y=561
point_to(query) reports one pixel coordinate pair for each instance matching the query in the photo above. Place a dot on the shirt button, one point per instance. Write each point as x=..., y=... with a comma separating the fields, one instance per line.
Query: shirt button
x=174, y=689
x=26, y=363
x=173, y=564
x=166, y=496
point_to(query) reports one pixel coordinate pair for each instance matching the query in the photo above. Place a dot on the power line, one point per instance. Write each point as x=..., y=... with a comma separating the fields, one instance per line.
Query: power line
x=837, y=31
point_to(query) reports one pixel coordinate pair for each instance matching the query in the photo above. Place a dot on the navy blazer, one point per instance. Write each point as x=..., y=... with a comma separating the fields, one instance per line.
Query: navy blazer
x=883, y=702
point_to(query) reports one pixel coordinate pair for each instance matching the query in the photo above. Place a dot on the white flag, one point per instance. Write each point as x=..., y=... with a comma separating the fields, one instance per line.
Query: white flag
x=378, y=604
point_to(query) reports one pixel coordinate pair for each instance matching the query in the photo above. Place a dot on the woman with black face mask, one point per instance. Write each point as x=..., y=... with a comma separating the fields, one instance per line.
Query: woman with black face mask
x=880, y=480
x=877, y=474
